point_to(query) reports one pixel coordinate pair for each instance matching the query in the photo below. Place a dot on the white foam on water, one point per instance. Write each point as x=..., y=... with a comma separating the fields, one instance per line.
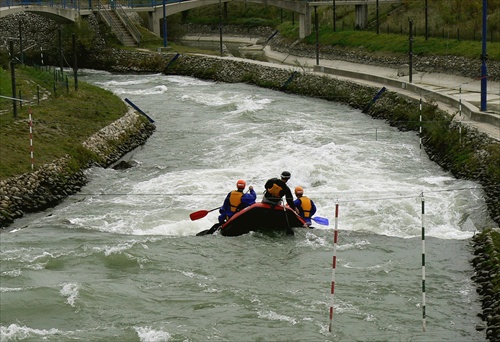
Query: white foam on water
x=11, y=289
x=148, y=334
x=70, y=291
x=15, y=332
x=158, y=90
x=273, y=316
x=375, y=173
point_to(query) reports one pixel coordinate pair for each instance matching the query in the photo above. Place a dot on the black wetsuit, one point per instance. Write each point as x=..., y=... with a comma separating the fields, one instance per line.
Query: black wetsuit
x=275, y=190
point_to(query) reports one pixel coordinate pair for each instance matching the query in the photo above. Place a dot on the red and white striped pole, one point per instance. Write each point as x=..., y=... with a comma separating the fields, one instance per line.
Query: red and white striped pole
x=334, y=264
x=31, y=141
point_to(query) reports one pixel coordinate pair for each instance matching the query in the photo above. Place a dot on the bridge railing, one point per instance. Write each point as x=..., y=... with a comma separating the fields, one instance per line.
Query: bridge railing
x=91, y=4
x=71, y=4
x=84, y=4
x=149, y=3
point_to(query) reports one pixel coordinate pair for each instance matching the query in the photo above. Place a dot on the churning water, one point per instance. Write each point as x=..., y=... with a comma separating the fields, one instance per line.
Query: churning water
x=120, y=260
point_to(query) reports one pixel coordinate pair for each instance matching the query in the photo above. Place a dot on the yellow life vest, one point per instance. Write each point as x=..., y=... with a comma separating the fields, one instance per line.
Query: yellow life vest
x=275, y=190
x=306, y=205
x=235, y=200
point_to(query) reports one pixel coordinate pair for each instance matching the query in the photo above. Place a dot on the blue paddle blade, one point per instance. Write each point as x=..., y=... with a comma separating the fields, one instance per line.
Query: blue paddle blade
x=321, y=220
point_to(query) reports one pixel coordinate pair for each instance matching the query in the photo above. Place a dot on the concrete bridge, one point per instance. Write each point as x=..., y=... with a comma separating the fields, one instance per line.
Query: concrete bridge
x=70, y=10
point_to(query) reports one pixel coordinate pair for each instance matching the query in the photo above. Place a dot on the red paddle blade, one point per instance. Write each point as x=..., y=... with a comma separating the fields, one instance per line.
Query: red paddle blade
x=198, y=214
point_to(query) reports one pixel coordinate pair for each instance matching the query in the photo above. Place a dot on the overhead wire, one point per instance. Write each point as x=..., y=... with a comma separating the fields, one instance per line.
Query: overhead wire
x=334, y=195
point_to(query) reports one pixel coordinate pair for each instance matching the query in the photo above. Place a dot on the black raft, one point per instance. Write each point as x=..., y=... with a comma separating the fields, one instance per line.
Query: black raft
x=262, y=217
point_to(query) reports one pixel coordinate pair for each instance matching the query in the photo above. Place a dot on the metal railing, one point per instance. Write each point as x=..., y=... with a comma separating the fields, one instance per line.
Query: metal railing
x=129, y=25
x=105, y=14
x=83, y=4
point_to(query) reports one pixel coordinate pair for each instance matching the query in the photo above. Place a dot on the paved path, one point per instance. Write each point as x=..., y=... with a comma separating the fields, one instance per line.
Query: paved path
x=457, y=95
x=459, y=91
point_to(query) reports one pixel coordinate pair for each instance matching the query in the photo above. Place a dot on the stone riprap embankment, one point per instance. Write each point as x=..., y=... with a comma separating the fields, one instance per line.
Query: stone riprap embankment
x=487, y=265
x=122, y=136
x=51, y=183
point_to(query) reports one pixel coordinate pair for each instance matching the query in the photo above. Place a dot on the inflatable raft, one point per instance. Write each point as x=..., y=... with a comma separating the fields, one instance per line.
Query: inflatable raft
x=262, y=217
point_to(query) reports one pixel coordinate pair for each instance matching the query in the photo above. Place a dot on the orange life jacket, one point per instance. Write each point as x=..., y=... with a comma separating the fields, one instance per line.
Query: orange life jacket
x=235, y=200
x=306, y=205
x=275, y=190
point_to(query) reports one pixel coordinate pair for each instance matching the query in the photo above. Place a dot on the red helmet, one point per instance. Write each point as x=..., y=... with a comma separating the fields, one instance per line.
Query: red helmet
x=241, y=184
x=299, y=190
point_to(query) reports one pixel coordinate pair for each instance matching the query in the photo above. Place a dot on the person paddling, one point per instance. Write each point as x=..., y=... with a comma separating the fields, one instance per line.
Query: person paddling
x=305, y=205
x=276, y=189
x=234, y=202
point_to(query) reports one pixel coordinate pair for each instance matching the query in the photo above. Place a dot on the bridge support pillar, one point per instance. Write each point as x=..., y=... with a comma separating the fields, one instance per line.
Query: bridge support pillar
x=361, y=16
x=154, y=22
x=305, y=24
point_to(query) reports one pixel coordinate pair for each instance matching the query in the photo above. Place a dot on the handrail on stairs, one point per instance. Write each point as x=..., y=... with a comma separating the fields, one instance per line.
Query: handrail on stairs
x=129, y=25
x=104, y=12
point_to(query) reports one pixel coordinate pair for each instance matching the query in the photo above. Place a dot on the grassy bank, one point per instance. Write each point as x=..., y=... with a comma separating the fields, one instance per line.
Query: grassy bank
x=454, y=28
x=61, y=121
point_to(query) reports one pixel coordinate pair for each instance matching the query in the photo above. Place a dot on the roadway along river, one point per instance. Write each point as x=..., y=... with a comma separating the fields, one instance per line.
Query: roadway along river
x=120, y=261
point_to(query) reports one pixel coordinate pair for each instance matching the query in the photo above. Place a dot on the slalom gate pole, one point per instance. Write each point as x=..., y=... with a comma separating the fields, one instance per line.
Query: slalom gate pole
x=139, y=110
x=460, y=102
x=423, y=263
x=420, y=128
x=31, y=141
x=334, y=264
x=290, y=79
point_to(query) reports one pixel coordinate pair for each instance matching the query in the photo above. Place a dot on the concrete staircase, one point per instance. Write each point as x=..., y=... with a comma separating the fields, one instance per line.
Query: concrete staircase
x=120, y=30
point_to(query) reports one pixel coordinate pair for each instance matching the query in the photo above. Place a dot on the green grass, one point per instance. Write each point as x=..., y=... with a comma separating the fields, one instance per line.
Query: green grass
x=60, y=123
x=447, y=19
x=394, y=43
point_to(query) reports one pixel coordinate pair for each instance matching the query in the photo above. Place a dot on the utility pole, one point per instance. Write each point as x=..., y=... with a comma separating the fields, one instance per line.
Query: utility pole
x=60, y=50
x=484, y=58
x=75, y=66
x=426, y=21
x=410, y=55
x=164, y=24
x=21, y=43
x=334, y=17
x=220, y=26
x=13, y=77
x=317, y=33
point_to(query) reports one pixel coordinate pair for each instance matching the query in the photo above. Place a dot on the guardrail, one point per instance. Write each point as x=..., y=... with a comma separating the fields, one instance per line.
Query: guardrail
x=84, y=4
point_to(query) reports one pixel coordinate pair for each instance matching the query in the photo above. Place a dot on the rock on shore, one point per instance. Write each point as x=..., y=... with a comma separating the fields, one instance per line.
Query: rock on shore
x=487, y=265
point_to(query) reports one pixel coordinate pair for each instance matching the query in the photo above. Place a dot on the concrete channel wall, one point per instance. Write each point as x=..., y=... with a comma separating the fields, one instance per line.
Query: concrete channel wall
x=467, y=109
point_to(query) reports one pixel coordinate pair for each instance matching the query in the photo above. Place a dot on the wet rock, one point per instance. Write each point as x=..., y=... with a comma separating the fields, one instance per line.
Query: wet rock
x=123, y=165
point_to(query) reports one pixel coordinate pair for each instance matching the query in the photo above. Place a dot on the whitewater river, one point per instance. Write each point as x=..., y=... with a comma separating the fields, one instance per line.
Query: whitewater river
x=120, y=260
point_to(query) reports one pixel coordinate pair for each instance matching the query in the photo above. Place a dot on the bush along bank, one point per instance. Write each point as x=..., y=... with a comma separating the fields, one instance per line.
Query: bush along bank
x=51, y=183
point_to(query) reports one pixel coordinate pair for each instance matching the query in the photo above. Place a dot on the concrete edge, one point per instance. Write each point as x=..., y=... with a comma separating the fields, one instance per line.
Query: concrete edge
x=467, y=109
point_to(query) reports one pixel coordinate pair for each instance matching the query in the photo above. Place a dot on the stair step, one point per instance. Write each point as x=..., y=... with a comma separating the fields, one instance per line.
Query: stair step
x=128, y=39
